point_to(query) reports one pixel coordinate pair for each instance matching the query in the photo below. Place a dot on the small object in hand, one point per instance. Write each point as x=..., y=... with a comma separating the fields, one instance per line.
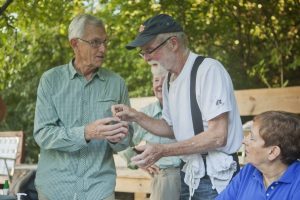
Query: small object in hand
x=137, y=151
x=114, y=122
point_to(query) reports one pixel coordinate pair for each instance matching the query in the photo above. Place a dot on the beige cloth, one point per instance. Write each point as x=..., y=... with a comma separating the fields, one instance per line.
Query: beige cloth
x=166, y=185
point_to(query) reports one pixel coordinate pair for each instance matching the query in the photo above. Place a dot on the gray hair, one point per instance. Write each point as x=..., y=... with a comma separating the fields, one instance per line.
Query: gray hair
x=77, y=26
x=181, y=36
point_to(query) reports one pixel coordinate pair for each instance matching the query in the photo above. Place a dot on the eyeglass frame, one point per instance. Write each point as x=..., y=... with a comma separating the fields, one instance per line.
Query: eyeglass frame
x=142, y=54
x=93, y=44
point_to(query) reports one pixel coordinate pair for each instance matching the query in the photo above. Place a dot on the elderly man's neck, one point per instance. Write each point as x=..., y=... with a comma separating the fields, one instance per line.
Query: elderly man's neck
x=86, y=70
x=182, y=57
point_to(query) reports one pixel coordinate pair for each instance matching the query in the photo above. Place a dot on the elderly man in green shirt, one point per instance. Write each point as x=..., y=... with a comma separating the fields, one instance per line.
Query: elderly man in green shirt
x=73, y=123
x=165, y=184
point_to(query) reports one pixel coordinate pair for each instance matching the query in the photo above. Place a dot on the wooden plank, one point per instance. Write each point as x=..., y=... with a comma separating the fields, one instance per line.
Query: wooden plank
x=129, y=180
x=140, y=196
x=256, y=101
x=252, y=101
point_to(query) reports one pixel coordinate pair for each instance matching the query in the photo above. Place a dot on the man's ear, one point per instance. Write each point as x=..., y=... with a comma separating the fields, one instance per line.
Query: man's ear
x=74, y=43
x=274, y=152
x=174, y=43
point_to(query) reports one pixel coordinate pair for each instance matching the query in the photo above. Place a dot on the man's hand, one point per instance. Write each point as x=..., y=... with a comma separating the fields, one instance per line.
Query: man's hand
x=153, y=169
x=106, y=128
x=151, y=153
x=124, y=112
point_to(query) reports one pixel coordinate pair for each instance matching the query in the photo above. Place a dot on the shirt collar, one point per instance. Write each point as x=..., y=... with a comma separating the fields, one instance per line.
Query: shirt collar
x=73, y=72
x=187, y=66
x=287, y=177
x=157, y=108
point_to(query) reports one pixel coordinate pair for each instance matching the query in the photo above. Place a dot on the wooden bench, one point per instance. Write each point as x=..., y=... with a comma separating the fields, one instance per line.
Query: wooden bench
x=252, y=101
x=131, y=181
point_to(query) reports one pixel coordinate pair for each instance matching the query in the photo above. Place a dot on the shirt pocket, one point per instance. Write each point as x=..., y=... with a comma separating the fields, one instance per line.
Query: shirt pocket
x=103, y=106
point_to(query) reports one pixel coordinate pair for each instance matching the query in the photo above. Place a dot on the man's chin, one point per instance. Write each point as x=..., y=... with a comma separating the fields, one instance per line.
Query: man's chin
x=98, y=63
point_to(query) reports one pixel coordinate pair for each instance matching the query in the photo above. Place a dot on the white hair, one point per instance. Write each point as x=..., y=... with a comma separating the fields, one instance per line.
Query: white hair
x=157, y=69
x=181, y=36
x=77, y=26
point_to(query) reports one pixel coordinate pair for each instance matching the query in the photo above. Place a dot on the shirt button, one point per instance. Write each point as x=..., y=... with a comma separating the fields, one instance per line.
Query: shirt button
x=272, y=187
x=268, y=194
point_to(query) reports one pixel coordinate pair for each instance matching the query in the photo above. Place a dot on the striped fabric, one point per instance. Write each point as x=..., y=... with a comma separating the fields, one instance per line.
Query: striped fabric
x=69, y=167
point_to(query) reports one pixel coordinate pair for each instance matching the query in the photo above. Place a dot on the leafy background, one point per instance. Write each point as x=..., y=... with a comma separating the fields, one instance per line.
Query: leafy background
x=257, y=41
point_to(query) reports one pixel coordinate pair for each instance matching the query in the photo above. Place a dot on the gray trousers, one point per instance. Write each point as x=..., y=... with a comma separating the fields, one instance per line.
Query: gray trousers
x=166, y=185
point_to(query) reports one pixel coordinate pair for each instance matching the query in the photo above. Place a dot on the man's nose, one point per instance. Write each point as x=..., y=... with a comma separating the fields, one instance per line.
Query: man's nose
x=147, y=57
x=246, y=140
x=102, y=47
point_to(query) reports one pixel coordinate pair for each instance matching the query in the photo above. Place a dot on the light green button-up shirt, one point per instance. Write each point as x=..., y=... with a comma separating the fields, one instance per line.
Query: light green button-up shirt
x=69, y=167
x=140, y=134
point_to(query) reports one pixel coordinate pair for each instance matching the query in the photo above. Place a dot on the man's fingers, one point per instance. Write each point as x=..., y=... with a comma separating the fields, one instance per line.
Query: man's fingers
x=143, y=160
x=116, y=108
x=107, y=120
x=116, y=138
x=155, y=169
x=110, y=132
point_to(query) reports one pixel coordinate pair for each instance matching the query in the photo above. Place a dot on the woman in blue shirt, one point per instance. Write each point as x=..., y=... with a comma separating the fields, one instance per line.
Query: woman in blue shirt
x=272, y=151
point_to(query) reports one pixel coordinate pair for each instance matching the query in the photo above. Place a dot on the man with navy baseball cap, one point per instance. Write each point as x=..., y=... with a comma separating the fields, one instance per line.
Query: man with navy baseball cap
x=199, y=110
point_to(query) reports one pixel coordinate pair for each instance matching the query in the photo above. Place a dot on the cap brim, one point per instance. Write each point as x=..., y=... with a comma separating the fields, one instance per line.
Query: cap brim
x=140, y=40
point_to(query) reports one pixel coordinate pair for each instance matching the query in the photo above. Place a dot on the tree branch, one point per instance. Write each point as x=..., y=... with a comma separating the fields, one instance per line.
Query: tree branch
x=6, y=4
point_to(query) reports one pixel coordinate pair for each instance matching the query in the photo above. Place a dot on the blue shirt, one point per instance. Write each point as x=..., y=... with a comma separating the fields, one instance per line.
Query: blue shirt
x=248, y=185
x=140, y=134
x=69, y=167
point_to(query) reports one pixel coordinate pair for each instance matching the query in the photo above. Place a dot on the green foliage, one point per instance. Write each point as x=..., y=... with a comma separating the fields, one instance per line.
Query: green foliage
x=257, y=41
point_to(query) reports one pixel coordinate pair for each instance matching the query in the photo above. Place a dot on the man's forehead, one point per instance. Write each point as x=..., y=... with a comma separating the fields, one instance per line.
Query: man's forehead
x=94, y=30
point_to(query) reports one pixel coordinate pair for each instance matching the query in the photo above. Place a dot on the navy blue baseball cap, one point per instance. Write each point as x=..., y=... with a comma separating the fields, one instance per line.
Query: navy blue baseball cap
x=153, y=26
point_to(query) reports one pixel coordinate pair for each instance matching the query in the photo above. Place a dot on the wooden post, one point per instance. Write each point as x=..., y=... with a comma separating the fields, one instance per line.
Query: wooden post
x=140, y=196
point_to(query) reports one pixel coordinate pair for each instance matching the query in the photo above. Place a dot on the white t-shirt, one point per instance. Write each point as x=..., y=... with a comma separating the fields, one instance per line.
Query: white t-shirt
x=215, y=95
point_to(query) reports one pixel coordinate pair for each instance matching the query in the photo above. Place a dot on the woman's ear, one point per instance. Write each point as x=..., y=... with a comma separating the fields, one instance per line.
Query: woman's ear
x=274, y=152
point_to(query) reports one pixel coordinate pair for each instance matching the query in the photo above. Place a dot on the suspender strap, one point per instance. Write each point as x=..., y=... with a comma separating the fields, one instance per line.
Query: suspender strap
x=196, y=113
x=169, y=77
